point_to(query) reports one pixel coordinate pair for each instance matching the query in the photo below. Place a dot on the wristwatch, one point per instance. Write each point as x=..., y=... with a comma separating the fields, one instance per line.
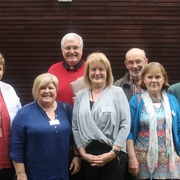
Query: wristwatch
x=116, y=152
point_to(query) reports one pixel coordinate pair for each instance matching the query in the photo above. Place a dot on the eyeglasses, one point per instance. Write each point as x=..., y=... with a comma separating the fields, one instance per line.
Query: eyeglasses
x=68, y=48
x=138, y=61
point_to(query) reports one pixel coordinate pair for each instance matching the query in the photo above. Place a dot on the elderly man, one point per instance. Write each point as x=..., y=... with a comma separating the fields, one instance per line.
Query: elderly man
x=67, y=71
x=135, y=60
x=71, y=68
x=175, y=90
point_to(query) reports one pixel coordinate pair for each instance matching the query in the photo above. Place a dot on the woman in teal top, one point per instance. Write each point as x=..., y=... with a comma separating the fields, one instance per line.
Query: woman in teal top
x=153, y=142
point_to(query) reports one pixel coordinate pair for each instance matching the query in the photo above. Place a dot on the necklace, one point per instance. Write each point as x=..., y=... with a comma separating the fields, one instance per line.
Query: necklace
x=156, y=100
x=96, y=93
x=92, y=96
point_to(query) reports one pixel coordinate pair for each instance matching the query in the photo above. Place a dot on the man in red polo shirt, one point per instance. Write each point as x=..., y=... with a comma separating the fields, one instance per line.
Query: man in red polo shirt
x=67, y=71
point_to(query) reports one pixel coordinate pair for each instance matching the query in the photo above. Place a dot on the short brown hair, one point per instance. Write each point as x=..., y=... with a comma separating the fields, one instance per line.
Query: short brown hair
x=154, y=67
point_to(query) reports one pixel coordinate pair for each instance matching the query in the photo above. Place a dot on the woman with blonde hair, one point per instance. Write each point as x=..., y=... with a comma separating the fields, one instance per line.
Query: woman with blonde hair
x=41, y=132
x=101, y=122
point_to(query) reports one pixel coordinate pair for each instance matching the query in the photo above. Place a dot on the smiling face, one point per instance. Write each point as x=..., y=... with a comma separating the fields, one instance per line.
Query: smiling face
x=47, y=94
x=72, y=51
x=135, y=61
x=97, y=74
x=154, y=82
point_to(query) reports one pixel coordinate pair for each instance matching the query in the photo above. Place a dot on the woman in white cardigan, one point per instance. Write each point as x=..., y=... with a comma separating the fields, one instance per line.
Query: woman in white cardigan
x=9, y=105
x=101, y=122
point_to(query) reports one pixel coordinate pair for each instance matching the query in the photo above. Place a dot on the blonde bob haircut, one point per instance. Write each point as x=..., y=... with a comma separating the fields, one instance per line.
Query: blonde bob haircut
x=2, y=61
x=154, y=68
x=98, y=57
x=41, y=81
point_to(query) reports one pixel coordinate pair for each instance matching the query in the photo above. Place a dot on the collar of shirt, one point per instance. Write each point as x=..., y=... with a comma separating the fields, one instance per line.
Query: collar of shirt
x=134, y=87
x=75, y=68
x=131, y=80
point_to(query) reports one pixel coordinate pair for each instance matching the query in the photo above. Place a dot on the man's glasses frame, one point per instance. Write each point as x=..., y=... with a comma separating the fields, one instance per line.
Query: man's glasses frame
x=75, y=48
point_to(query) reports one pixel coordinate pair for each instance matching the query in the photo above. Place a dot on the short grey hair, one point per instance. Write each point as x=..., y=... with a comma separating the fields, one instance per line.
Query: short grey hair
x=71, y=36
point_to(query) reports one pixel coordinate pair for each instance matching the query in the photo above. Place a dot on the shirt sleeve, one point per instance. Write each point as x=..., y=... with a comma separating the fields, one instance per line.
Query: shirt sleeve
x=17, y=139
x=133, y=110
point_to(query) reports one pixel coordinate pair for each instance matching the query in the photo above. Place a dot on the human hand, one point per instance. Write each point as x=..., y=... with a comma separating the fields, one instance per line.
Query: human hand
x=107, y=157
x=94, y=160
x=133, y=166
x=75, y=165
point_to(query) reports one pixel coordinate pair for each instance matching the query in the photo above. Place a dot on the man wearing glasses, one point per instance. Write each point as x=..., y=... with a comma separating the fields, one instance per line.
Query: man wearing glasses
x=135, y=60
x=71, y=68
x=67, y=71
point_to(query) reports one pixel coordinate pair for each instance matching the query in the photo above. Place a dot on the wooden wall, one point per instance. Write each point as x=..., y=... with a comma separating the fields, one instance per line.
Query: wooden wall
x=30, y=34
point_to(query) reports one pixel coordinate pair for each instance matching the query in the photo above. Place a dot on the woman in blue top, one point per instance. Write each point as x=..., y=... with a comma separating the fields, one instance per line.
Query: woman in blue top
x=40, y=137
x=153, y=142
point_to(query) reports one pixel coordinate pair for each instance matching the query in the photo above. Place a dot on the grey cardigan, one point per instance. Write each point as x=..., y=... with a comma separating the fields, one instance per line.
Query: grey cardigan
x=108, y=121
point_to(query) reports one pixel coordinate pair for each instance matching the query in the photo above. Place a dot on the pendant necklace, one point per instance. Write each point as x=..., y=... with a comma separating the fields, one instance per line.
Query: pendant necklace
x=97, y=93
x=92, y=96
x=156, y=100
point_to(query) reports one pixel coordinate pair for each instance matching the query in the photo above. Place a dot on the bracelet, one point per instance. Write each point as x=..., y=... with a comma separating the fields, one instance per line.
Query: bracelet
x=116, y=152
x=77, y=155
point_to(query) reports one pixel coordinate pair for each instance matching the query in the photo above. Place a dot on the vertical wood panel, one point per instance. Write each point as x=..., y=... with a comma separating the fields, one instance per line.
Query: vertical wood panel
x=31, y=31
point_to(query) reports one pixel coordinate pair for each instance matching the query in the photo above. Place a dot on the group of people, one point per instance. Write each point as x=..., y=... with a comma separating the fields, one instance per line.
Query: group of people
x=129, y=129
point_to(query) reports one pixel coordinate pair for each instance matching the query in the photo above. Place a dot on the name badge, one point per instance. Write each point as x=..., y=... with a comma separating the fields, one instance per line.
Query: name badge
x=173, y=113
x=54, y=122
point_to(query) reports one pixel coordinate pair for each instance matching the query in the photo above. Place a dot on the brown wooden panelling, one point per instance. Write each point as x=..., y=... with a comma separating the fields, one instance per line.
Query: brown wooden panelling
x=31, y=30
